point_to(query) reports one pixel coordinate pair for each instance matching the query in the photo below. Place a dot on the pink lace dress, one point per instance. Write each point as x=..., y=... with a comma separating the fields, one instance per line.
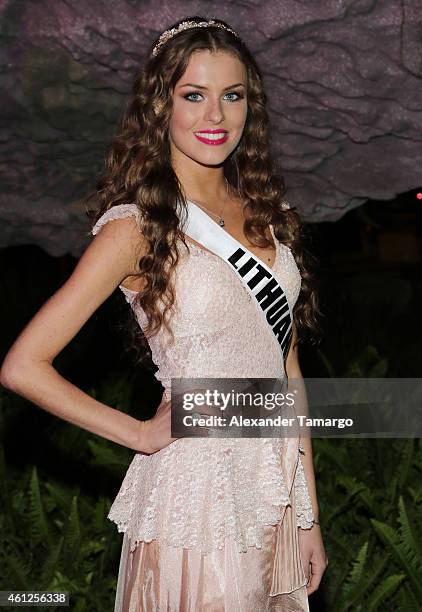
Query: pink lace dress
x=211, y=525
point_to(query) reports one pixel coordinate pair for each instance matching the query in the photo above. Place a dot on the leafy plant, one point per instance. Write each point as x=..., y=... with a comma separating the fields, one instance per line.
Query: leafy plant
x=369, y=532
x=45, y=546
x=367, y=364
x=56, y=536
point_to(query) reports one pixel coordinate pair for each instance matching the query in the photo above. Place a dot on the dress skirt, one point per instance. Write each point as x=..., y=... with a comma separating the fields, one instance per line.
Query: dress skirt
x=159, y=578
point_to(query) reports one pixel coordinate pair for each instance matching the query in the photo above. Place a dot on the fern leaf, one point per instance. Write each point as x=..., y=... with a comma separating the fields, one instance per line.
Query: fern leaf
x=60, y=495
x=39, y=524
x=99, y=515
x=360, y=580
x=404, y=466
x=338, y=455
x=408, y=601
x=106, y=455
x=400, y=553
x=385, y=589
x=356, y=572
x=19, y=572
x=51, y=564
x=368, y=581
x=72, y=531
x=409, y=540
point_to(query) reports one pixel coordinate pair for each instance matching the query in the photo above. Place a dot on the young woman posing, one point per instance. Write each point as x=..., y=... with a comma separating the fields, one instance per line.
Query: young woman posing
x=209, y=524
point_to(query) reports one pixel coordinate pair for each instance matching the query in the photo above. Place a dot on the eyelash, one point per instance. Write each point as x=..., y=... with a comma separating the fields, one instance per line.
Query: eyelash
x=239, y=96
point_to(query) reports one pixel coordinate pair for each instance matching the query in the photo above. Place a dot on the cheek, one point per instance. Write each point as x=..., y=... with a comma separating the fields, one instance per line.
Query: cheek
x=235, y=116
x=243, y=114
x=183, y=117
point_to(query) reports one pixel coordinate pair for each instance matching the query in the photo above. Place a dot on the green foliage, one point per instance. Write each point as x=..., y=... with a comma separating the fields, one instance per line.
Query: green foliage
x=38, y=524
x=386, y=588
x=371, y=529
x=368, y=364
x=375, y=554
x=403, y=547
x=55, y=549
x=56, y=536
x=53, y=537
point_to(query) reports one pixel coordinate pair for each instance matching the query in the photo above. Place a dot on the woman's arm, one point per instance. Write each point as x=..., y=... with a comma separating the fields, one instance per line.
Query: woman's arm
x=293, y=371
x=28, y=367
x=313, y=555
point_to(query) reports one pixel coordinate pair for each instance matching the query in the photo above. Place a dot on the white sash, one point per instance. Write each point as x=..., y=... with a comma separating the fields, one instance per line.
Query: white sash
x=257, y=278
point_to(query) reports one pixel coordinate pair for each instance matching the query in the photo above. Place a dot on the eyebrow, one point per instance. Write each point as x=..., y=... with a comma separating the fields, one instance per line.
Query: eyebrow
x=203, y=87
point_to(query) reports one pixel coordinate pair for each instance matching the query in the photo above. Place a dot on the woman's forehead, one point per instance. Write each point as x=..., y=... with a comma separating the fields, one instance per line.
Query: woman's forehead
x=205, y=68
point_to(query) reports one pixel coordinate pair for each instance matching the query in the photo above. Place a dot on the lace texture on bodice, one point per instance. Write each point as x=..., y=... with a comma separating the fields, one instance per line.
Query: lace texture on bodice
x=196, y=492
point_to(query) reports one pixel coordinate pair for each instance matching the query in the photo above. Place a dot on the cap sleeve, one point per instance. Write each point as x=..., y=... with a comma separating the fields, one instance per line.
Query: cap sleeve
x=121, y=211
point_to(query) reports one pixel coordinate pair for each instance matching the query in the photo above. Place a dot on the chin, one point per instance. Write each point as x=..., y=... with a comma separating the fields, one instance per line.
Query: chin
x=215, y=161
x=215, y=156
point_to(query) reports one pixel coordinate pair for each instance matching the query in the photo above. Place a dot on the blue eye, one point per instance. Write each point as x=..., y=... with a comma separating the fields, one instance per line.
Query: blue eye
x=194, y=93
x=197, y=93
x=234, y=93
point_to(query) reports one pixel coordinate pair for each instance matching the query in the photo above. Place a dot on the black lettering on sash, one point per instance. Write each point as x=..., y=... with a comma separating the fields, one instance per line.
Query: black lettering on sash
x=260, y=274
x=281, y=327
x=267, y=296
x=234, y=258
x=277, y=310
x=285, y=346
x=271, y=297
x=247, y=267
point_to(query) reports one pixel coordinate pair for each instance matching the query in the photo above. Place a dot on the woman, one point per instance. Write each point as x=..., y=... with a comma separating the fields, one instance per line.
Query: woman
x=228, y=524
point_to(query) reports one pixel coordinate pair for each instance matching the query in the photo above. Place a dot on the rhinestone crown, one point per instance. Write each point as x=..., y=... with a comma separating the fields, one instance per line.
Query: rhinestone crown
x=186, y=25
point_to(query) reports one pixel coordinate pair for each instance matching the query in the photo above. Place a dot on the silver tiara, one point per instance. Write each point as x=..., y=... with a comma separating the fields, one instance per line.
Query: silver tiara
x=186, y=25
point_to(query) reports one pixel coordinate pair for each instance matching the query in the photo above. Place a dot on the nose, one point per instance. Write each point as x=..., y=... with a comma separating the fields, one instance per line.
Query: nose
x=214, y=111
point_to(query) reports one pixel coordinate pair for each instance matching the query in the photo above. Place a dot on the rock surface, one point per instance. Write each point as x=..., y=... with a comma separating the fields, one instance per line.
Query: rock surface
x=343, y=80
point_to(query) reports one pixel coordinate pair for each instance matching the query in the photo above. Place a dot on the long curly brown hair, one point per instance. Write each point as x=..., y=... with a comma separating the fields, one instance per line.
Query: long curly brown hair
x=138, y=170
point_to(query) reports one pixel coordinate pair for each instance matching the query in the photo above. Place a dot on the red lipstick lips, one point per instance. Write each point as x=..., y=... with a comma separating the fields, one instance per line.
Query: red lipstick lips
x=216, y=137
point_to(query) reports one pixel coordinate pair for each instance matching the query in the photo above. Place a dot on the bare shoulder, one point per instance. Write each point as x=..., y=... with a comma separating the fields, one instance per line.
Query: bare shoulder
x=123, y=239
x=109, y=258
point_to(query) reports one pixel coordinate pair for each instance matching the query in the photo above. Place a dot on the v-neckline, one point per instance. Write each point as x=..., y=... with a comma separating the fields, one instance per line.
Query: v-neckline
x=236, y=240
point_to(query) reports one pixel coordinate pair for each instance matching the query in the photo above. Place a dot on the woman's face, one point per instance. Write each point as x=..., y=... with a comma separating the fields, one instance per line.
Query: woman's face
x=209, y=108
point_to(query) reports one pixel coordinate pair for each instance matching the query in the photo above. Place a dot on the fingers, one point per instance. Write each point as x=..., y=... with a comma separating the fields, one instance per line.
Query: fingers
x=317, y=569
x=163, y=418
x=164, y=410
